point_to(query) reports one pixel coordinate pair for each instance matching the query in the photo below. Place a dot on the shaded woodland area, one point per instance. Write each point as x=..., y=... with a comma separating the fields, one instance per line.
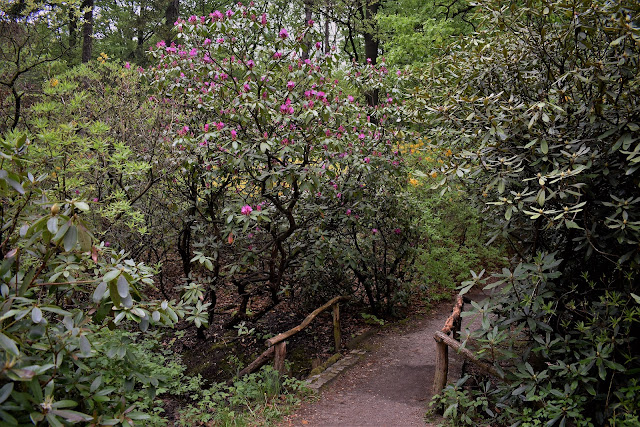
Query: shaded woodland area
x=183, y=180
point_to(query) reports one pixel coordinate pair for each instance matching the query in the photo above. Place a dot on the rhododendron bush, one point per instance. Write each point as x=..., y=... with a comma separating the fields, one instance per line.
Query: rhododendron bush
x=286, y=170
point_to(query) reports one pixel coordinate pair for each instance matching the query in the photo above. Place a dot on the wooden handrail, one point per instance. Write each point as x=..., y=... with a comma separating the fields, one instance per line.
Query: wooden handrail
x=283, y=336
x=444, y=341
x=452, y=321
x=457, y=346
x=277, y=347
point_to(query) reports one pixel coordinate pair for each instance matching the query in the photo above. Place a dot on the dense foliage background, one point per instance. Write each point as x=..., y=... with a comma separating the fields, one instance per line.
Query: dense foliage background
x=159, y=157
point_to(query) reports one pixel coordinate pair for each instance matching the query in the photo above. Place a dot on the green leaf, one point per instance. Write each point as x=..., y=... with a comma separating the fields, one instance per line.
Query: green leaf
x=9, y=345
x=71, y=238
x=617, y=41
x=62, y=231
x=544, y=146
x=95, y=384
x=636, y=297
x=113, y=292
x=571, y=224
x=82, y=206
x=101, y=289
x=111, y=275
x=16, y=185
x=52, y=225
x=69, y=415
x=123, y=286
x=36, y=315
x=5, y=391
x=85, y=346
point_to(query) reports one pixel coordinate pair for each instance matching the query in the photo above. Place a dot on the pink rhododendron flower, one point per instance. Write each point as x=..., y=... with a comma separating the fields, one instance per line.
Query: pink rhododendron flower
x=234, y=134
x=193, y=52
x=251, y=64
x=246, y=210
x=263, y=19
x=318, y=45
x=290, y=85
x=286, y=108
x=283, y=34
x=127, y=65
x=374, y=231
x=277, y=55
x=206, y=42
x=229, y=13
x=367, y=160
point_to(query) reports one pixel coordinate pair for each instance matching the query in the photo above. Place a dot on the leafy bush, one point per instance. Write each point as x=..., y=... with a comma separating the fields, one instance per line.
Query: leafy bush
x=60, y=290
x=540, y=111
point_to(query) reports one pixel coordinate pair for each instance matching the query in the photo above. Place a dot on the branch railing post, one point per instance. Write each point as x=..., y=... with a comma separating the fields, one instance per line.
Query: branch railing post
x=277, y=347
x=337, y=336
x=444, y=341
x=453, y=324
x=279, y=355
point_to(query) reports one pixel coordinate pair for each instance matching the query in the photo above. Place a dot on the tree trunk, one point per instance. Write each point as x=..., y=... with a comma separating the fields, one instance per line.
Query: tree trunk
x=327, y=47
x=87, y=30
x=307, y=17
x=171, y=14
x=73, y=28
x=371, y=44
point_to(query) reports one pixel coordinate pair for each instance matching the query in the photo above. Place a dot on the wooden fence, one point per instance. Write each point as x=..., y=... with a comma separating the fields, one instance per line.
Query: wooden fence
x=277, y=347
x=444, y=341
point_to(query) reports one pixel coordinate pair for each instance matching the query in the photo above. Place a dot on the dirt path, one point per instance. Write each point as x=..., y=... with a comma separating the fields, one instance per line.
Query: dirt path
x=391, y=386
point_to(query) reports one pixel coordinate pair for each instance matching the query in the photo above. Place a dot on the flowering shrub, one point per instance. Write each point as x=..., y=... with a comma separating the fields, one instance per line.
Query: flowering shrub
x=275, y=151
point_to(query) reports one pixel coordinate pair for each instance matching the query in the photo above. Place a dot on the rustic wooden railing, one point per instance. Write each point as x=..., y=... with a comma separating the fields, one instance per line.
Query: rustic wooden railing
x=444, y=341
x=277, y=347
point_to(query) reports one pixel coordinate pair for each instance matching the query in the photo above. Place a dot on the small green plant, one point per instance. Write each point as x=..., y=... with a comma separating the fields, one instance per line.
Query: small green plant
x=371, y=319
x=461, y=406
x=259, y=398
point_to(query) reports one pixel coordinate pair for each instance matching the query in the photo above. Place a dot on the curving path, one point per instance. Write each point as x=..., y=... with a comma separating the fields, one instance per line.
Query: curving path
x=391, y=386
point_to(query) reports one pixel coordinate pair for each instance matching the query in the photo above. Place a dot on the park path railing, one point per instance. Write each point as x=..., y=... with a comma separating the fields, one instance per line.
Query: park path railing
x=277, y=347
x=444, y=341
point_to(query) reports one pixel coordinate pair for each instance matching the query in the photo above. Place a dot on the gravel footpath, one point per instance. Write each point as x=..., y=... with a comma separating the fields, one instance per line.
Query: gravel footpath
x=391, y=386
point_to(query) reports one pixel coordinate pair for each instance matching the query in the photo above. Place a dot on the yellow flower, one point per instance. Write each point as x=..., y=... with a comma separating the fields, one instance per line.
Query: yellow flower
x=413, y=181
x=434, y=174
x=104, y=55
x=53, y=82
x=448, y=153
